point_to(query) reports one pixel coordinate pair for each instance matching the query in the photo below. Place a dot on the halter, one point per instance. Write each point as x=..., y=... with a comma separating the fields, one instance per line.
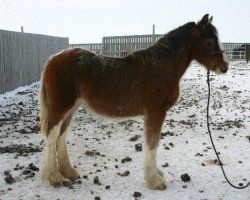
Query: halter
x=209, y=132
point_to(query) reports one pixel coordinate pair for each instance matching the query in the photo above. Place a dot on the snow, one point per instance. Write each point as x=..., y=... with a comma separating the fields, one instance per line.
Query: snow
x=189, y=151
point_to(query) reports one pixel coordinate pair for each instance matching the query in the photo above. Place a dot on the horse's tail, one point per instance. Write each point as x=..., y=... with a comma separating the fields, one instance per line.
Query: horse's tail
x=44, y=108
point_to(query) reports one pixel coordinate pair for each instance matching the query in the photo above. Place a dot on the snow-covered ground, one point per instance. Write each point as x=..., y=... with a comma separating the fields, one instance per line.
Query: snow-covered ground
x=97, y=146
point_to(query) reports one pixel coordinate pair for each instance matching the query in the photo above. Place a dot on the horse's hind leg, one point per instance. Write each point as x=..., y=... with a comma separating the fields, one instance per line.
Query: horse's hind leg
x=64, y=165
x=152, y=130
x=50, y=171
x=59, y=113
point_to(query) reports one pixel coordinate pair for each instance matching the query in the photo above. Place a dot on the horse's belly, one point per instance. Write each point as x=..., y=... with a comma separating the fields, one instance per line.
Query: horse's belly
x=115, y=107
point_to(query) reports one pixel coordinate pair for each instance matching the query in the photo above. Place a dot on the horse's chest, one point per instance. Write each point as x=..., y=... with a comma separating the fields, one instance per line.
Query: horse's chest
x=169, y=96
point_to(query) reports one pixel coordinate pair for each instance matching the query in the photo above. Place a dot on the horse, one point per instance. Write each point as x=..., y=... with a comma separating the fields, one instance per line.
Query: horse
x=143, y=83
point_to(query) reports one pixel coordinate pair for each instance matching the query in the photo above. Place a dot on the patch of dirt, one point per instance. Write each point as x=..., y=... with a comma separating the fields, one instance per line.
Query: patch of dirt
x=20, y=149
x=213, y=162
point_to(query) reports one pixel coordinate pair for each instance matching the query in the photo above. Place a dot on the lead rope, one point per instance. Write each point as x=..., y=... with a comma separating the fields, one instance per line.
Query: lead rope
x=209, y=132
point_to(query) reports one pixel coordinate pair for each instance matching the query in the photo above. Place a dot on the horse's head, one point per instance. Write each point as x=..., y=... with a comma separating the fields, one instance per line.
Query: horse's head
x=207, y=48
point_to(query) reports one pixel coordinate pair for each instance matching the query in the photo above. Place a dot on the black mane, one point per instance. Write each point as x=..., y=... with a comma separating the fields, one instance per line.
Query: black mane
x=166, y=50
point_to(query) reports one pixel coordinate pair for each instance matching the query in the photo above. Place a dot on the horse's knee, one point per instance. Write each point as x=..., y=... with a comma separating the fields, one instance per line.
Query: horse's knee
x=152, y=141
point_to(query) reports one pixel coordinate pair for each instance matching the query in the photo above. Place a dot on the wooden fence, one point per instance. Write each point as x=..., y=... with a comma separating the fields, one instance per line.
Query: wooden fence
x=22, y=56
x=118, y=46
x=236, y=51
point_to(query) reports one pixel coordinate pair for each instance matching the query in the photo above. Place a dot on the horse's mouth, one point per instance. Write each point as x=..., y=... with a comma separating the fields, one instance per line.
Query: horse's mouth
x=222, y=69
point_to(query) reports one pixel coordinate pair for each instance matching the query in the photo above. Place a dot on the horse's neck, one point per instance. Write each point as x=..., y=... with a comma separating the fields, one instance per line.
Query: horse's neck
x=184, y=60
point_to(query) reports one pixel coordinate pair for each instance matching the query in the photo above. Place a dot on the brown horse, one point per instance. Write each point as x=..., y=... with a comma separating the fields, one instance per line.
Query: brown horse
x=145, y=83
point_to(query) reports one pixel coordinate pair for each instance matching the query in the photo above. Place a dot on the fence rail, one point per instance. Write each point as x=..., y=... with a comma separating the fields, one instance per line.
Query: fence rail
x=95, y=47
x=22, y=56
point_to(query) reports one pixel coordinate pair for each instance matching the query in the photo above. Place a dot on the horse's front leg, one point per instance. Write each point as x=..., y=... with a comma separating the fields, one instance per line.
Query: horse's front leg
x=152, y=132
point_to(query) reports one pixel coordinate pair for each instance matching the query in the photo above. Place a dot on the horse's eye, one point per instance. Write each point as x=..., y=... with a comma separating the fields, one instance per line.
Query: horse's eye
x=212, y=41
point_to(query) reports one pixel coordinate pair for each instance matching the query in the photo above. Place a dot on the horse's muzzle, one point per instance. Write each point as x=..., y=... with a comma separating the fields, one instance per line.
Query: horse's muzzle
x=224, y=70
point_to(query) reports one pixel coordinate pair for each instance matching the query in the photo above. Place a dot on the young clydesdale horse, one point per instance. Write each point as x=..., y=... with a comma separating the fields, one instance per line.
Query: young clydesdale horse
x=145, y=82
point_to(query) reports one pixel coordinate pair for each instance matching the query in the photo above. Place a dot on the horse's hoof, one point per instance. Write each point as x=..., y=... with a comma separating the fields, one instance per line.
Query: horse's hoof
x=158, y=186
x=156, y=183
x=56, y=179
x=70, y=173
x=67, y=183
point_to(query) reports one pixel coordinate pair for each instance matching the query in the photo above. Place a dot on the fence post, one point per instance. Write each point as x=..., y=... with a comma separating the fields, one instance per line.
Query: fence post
x=247, y=53
x=154, y=38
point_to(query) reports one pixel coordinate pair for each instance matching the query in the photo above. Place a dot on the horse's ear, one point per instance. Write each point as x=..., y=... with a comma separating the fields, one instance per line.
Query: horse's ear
x=204, y=21
x=211, y=19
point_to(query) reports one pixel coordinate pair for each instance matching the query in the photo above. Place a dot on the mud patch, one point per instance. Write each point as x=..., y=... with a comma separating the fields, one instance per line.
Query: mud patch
x=20, y=149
